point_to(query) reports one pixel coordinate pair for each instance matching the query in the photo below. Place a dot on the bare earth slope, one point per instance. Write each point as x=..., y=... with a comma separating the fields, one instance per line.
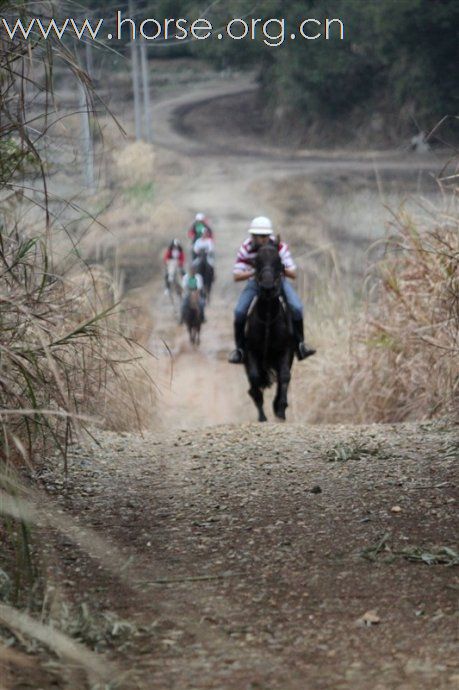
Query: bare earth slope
x=247, y=575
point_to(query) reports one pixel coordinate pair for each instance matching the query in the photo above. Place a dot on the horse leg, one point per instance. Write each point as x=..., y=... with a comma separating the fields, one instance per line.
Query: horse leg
x=257, y=396
x=280, y=403
x=255, y=391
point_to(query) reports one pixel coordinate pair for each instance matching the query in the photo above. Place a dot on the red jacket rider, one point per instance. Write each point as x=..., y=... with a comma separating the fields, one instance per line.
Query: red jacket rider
x=175, y=251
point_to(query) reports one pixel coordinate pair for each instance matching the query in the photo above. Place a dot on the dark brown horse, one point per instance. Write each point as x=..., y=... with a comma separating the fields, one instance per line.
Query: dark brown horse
x=192, y=316
x=206, y=270
x=270, y=344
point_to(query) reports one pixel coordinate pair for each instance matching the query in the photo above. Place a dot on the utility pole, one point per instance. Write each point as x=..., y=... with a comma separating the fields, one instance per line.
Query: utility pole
x=146, y=92
x=135, y=79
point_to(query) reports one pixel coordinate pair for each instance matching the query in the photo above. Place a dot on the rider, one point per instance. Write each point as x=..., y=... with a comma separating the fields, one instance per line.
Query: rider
x=261, y=233
x=205, y=244
x=174, y=252
x=192, y=281
x=199, y=227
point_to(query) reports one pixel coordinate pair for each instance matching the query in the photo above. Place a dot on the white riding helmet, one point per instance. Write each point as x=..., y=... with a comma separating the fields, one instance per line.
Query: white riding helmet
x=200, y=217
x=261, y=226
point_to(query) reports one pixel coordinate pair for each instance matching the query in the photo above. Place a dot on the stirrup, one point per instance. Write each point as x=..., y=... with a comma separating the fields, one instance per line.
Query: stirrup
x=303, y=351
x=236, y=356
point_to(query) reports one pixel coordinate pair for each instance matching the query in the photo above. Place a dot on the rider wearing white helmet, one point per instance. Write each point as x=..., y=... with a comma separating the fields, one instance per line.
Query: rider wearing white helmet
x=200, y=228
x=261, y=233
x=204, y=245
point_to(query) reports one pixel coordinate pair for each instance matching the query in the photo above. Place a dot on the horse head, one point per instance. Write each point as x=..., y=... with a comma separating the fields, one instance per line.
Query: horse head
x=200, y=262
x=268, y=271
x=194, y=298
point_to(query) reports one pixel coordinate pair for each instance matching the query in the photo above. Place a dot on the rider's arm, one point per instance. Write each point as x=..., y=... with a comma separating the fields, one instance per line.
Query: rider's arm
x=242, y=275
x=243, y=268
x=290, y=273
x=287, y=261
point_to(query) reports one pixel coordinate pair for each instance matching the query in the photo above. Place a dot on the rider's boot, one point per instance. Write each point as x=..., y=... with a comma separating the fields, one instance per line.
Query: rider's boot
x=237, y=355
x=302, y=349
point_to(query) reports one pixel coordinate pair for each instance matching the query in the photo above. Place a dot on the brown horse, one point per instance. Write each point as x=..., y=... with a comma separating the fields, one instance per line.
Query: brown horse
x=192, y=316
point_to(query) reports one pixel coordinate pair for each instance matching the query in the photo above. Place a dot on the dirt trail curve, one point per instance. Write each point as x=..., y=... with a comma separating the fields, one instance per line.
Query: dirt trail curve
x=170, y=132
x=243, y=542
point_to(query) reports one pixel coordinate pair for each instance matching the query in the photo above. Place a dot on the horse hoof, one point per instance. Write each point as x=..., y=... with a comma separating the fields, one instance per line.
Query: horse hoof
x=262, y=418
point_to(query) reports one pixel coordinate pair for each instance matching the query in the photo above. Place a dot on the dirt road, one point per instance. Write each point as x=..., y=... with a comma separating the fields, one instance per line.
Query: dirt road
x=266, y=557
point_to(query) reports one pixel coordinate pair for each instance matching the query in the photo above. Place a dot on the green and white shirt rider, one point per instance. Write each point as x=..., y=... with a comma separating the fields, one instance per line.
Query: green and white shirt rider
x=192, y=282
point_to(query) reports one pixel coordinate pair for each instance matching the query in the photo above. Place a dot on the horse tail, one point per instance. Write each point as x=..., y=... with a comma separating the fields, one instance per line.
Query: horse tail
x=266, y=377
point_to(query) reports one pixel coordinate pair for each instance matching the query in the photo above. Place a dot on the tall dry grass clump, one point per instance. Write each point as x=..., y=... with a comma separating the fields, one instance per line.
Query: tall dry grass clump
x=63, y=359
x=407, y=348
x=396, y=359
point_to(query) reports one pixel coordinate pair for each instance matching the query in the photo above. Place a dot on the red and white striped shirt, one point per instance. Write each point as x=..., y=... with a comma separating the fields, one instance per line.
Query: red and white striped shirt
x=248, y=251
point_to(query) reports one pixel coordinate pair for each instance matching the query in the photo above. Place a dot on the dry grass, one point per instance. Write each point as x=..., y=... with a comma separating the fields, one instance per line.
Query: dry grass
x=398, y=359
x=61, y=348
x=134, y=164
